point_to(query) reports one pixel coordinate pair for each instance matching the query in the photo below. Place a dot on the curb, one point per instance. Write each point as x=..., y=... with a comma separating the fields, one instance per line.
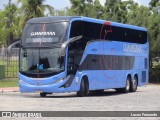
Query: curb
x=9, y=89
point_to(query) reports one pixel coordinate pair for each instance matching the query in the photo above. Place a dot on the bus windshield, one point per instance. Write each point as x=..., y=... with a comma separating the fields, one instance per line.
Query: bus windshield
x=43, y=33
x=41, y=60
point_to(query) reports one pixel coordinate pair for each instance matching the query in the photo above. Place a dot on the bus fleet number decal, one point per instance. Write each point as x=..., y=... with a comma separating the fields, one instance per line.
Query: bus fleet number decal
x=132, y=48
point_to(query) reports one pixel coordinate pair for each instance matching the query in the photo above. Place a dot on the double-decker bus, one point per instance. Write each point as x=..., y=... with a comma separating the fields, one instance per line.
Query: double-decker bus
x=80, y=54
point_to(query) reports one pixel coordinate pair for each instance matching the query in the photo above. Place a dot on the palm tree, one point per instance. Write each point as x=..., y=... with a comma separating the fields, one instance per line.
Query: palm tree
x=7, y=24
x=32, y=8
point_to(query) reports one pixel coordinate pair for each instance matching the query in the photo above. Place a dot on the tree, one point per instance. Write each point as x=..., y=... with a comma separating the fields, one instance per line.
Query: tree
x=81, y=7
x=93, y=9
x=98, y=9
x=78, y=6
x=3, y=26
x=7, y=24
x=62, y=12
x=153, y=3
x=32, y=8
x=115, y=10
x=88, y=8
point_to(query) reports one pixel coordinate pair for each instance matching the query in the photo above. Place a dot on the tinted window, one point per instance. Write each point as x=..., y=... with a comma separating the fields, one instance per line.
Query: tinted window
x=92, y=31
x=87, y=29
x=126, y=35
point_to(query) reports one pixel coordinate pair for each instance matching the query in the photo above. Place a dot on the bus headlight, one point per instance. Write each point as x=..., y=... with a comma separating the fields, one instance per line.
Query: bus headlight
x=59, y=80
x=21, y=81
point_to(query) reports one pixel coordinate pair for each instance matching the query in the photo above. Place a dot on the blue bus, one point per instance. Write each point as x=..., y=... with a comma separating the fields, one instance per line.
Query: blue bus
x=80, y=54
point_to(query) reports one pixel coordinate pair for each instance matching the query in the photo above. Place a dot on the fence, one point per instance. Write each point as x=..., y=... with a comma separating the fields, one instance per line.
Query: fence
x=10, y=62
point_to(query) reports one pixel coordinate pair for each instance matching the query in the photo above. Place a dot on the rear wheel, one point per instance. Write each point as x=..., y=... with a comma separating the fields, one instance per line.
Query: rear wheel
x=84, y=88
x=134, y=84
x=43, y=94
x=125, y=89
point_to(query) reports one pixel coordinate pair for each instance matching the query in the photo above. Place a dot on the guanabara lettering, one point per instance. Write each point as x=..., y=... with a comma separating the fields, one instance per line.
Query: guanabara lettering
x=42, y=33
x=132, y=48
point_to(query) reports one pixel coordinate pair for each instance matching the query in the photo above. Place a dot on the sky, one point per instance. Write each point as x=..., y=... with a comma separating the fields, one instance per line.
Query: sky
x=60, y=4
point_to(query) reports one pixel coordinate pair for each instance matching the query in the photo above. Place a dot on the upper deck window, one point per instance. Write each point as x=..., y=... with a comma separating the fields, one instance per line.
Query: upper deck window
x=93, y=31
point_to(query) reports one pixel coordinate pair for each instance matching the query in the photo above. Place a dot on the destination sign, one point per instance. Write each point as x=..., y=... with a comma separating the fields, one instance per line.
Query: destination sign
x=42, y=40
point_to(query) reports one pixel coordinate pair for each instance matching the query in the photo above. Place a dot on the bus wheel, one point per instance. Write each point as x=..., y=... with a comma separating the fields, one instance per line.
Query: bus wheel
x=84, y=88
x=43, y=94
x=97, y=91
x=125, y=89
x=134, y=84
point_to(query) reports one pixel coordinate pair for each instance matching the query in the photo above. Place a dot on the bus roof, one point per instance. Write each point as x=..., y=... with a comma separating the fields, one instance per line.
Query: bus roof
x=114, y=23
x=69, y=18
x=51, y=19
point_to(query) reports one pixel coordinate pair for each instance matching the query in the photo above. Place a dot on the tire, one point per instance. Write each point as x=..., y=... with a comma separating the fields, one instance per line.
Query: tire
x=43, y=94
x=119, y=90
x=127, y=88
x=97, y=91
x=84, y=89
x=134, y=84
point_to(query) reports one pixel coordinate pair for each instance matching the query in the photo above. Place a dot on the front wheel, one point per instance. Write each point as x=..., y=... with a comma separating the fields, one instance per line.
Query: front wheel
x=97, y=91
x=43, y=94
x=84, y=88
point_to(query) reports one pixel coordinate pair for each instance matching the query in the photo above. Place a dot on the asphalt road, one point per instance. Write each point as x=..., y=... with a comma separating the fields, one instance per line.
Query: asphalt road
x=147, y=98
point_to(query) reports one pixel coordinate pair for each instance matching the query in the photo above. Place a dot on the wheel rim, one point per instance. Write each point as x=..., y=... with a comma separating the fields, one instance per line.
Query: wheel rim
x=128, y=85
x=135, y=83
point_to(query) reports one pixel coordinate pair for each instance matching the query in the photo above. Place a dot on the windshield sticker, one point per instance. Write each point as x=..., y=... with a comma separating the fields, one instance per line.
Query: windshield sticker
x=41, y=67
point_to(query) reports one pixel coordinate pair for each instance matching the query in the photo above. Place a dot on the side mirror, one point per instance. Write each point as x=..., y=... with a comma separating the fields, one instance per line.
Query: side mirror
x=9, y=49
x=66, y=43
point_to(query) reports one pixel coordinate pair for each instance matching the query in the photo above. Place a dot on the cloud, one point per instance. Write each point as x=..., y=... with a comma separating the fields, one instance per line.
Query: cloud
x=102, y=2
x=137, y=1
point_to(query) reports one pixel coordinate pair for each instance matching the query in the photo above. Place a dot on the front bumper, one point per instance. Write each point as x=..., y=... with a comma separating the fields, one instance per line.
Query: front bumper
x=43, y=88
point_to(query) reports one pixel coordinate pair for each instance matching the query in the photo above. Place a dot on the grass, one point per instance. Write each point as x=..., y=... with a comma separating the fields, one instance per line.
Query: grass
x=11, y=71
x=11, y=68
x=9, y=82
